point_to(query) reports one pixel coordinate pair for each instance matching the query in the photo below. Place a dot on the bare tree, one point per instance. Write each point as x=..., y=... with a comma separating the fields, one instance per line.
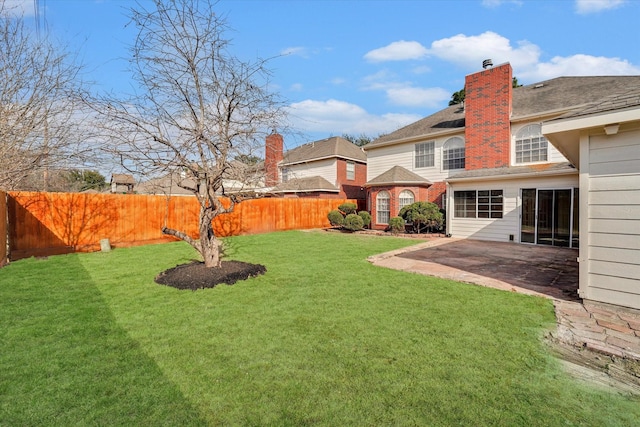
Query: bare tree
x=39, y=123
x=196, y=109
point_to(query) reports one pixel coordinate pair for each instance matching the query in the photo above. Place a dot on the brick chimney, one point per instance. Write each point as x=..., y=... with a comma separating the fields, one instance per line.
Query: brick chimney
x=272, y=156
x=488, y=99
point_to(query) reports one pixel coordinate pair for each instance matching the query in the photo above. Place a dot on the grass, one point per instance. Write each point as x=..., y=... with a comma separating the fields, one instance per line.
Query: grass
x=323, y=338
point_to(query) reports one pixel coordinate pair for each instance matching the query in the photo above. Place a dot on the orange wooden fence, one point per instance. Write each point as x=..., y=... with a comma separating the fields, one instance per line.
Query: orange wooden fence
x=3, y=228
x=43, y=224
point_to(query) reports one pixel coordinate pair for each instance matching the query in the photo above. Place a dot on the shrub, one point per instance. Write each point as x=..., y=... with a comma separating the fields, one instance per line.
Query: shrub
x=366, y=218
x=353, y=222
x=348, y=208
x=335, y=218
x=422, y=215
x=396, y=224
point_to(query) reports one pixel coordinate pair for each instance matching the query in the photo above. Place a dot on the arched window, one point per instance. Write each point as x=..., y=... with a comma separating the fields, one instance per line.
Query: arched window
x=406, y=198
x=453, y=153
x=383, y=207
x=531, y=146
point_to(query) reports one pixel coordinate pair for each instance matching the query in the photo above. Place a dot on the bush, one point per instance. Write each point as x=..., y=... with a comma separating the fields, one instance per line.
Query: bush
x=422, y=215
x=366, y=218
x=335, y=218
x=396, y=224
x=353, y=222
x=348, y=208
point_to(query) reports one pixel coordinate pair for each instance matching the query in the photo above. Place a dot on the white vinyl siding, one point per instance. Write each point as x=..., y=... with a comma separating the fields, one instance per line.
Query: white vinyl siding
x=613, y=220
x=500, y=229
x=325, y=168
x=381, y=159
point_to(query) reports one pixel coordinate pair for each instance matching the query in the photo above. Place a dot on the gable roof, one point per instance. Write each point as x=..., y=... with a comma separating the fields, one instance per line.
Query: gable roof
x=325, y=149
x=123, y=178
x=398, y=175
x=306, y=185
x=555, y=96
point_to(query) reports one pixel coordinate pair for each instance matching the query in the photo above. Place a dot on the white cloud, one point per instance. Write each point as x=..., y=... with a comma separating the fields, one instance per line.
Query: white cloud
x=418, y=97
x=578, y=65
x=18, y=7
x=296, y=87
x=594, y=6
x=496, y=3
x=397, y=51
x=334, y=117
x=297, y=51
x=470, y=51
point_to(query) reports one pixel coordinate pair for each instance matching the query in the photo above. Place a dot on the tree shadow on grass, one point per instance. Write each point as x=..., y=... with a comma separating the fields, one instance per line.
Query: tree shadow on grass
x=66, y=361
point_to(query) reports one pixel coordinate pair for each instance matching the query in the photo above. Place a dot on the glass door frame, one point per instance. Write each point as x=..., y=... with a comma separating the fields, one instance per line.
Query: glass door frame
x=571, y=215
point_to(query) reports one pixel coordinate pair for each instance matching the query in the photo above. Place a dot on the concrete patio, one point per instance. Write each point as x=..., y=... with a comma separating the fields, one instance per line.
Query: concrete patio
x=596, y=335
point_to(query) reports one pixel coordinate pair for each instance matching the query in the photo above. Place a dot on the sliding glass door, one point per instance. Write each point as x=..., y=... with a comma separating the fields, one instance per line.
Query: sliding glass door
x=549, y=217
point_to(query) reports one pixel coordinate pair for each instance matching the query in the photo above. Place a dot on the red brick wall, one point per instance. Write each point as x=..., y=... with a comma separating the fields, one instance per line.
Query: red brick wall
x=352, y=189
x=273, y=155
x=436, y=191
x=487, y=118
x=420, y=194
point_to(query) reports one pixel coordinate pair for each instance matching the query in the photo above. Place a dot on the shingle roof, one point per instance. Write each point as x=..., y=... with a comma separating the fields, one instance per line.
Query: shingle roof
x=630, y=97
x=325, y=148
x=557, y=95
x=305, y=185
x=517, y=171
x=397, y=175
x=123, y=178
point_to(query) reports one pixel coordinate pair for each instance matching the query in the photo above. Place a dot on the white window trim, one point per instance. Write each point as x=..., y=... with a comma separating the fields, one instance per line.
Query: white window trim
x=413, y=164
x=514, y=138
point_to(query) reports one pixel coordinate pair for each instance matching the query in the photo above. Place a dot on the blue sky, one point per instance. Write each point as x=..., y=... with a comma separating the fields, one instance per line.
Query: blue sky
x=370, y=67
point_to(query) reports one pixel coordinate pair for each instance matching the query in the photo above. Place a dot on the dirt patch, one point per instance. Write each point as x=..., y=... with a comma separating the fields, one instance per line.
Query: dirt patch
x=196, y=276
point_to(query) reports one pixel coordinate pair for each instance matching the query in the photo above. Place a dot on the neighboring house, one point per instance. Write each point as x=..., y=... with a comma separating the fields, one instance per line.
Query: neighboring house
x=329, y=168
x=238, y=177
x=603, y=141
x=487, y=162
x=122, y=183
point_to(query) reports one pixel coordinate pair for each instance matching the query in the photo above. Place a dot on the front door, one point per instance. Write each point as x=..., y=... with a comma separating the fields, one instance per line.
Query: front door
x=549, y=217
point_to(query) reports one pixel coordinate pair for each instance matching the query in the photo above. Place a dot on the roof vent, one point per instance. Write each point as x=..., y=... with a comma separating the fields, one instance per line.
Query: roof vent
x=538, y=86
x=487, y=63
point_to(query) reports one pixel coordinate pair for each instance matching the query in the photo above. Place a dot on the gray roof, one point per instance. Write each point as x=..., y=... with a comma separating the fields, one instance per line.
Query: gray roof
x=517, y=171
x=122, y=178
x=558, y=95
x=398, y=175
x=305, y=185
x=628, y=98
x=323, y=149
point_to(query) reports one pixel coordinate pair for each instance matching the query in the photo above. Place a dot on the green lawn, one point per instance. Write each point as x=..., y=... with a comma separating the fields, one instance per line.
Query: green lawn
x=323, y=338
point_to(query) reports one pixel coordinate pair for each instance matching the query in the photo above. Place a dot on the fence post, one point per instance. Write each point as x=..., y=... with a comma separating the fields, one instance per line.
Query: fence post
x=4, y=229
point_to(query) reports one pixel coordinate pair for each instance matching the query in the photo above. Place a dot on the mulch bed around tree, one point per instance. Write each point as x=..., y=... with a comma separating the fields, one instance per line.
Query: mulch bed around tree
x=196, y=276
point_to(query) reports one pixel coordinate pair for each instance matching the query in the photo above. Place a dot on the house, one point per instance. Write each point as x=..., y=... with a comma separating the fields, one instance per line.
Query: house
x=487, y=163
x=603, y=141
x=329, y=168
x=237, y=177
x=122, y=183
x=520, y=164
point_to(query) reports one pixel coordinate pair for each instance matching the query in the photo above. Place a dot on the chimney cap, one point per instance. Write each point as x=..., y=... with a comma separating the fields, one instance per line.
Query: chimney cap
x=487, y=63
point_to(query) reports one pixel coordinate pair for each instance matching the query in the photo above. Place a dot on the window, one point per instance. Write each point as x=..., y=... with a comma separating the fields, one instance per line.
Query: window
x=531, y=146
x=453, y=153
x=424, y=154
x=406, y=198
x=285, y=174
x=351, y=171
x=464, y=204
x=478, y=204
x=382, y=207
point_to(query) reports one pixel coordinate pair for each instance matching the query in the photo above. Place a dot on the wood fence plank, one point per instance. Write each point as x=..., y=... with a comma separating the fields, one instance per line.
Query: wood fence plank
x=50, y=223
